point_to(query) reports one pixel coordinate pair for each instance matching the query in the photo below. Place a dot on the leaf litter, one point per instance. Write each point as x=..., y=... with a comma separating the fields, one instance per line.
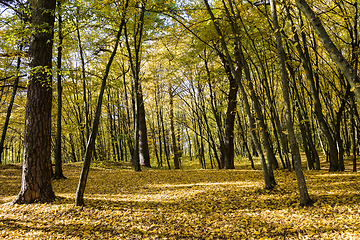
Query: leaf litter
x=184, y=204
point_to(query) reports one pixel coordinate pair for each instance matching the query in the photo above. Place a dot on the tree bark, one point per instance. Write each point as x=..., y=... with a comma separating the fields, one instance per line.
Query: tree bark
x=36, y=185
x=353, y=134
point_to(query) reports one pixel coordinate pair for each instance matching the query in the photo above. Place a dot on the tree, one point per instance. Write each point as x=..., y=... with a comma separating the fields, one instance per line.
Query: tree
x=349, y=72
x=36, y=176
x=58, y=174
x=242, y=65
x=305, y=199
x=11, y=104
x=79, y=200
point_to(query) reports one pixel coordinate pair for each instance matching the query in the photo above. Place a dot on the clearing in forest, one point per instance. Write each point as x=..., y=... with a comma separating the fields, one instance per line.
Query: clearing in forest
x=184, y=204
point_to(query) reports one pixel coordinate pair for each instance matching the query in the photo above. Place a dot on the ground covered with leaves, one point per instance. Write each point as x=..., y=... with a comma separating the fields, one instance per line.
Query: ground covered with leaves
x=183, y=204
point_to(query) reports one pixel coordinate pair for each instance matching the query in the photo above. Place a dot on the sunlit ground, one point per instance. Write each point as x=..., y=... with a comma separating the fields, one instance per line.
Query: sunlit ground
x=184, y=204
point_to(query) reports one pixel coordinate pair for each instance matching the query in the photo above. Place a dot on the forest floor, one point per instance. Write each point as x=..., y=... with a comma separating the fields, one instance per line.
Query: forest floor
x=183, y=204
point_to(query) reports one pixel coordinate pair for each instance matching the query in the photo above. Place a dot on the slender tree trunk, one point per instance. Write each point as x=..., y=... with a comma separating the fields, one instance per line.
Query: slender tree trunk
x=190, y=145
x=237, y=76
x=165, y=140
x=11, y=104
x=58, y=174
x=86, y=105
x=36, y=185
x=72, y=146
x=305, y=124
x=79, y=200
x=353, y=134
x=330, y=47
x=304, y=56
x=243, y=136
x=172, y=130
x=304, y=196
x=158, y=125
x=126, y=121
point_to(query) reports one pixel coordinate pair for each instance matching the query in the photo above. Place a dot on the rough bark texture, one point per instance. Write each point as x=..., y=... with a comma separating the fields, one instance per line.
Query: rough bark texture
x=36, y=176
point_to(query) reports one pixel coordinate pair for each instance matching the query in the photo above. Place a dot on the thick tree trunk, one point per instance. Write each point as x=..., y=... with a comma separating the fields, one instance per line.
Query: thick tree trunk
x=36, y=183
x=134, y=52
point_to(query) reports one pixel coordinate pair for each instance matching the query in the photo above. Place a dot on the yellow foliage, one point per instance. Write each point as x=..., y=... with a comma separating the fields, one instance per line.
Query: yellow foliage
x=187, y=204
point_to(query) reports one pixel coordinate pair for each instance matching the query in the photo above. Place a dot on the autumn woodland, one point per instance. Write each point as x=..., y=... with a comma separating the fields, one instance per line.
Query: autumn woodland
x=162, y=119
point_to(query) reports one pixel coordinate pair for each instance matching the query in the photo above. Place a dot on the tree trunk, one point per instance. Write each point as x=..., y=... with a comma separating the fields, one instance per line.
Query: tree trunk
x=243, y=136
x=165, y=140
x=158, y=124
x=330, y=47
x=172, y=130
x=36, y=185
x=325, y=128
x=79, y=200
x=237, y=76
x=11, y=104
x=135, y=65
x=227, y=153
x=58, y=174
x=143, y=139
x=305, y=199
x=353, y=133
x=86, y=105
